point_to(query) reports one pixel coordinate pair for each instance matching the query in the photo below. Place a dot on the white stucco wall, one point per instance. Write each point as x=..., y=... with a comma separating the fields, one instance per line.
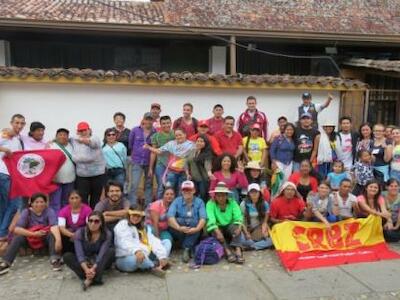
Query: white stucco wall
x=61, y=105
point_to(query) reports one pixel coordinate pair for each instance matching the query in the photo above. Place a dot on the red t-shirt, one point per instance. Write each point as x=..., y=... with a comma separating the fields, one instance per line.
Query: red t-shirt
x=229, y=144
x=215, y=125
x=189, y=129
x=283, y=209
x=295, y=178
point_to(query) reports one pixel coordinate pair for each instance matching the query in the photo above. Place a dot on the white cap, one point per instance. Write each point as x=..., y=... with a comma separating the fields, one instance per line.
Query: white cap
x=187, y=185
x=254, y=186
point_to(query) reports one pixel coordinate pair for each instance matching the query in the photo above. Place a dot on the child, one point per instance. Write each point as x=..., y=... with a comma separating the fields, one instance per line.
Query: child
x=363, y=171
x=320, y=206
x=255, y=147
x=335, y=178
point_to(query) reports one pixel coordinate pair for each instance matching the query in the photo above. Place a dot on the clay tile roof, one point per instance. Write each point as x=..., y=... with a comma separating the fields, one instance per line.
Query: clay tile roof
x=364, y=17
x=378, y=64
x=185, y=77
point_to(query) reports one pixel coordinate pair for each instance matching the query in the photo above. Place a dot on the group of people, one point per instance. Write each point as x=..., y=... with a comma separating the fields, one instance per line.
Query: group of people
x=211, y=179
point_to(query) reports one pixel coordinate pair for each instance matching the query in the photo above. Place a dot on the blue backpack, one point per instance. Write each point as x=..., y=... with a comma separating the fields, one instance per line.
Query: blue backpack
x=208, y=252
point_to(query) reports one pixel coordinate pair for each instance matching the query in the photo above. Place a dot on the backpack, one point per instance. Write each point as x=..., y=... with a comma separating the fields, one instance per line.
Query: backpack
x=208, y=252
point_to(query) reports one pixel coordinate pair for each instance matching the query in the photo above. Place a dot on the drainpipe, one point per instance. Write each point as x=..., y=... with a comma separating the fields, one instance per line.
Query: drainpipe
x=232, y=56
x=366, y=105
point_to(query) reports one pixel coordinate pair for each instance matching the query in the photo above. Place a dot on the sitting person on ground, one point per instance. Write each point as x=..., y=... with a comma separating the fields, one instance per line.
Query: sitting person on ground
x=345, y=201
x=392, y=198
x=363, y=171
x=335, y=178
x=136, y=247
x=114, y=207
x=371, y=202
x=232, y=173
x=93, y=251
x=186, y=219
x=288, y=205
x=225, y=222
x=255, y=174
x=36, y=228
x=71, y=218
x=304, y=179
x=256, y=214
x=157, y=220
x=320, y=206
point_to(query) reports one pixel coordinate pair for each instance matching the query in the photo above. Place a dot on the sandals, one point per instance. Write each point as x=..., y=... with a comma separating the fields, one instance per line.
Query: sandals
x=240, y=259
x=231, y=258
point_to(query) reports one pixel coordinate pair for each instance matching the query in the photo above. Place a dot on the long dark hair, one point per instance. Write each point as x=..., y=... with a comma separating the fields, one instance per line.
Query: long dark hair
x=205, y=153
x=218, y=162
x=103, y=228
x=140, y=208
x=376, y=197
x=260, y=206
x=359, y=130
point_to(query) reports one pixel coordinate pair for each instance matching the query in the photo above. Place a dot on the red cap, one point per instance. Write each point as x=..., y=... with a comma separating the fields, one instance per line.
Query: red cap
x=156, y=105
x=203, y=123
x=255, y=126
x=83, y=126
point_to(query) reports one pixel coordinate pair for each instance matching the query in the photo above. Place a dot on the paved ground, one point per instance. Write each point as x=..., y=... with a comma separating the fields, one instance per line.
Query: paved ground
x=261, y=277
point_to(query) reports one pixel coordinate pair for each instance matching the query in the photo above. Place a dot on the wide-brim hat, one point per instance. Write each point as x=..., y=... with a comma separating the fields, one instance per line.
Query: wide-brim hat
x=253, y=165
x=221, y=188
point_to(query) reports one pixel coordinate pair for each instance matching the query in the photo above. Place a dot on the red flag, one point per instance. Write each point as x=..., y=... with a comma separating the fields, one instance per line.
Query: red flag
x=33, y=171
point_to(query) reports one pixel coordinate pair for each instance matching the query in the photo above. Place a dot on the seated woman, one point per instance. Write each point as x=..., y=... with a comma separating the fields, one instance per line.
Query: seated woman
x=304, y=179
x=157, y=220
x=371, y=202
x=225, y=222
x=255, y=174
x=93, y=252
x=71, y=218
x=36, y=228
x=228, y=171
x=256, y=213
x=288, y=205
x=137, y=248
x=320, y=206
x=392, y=199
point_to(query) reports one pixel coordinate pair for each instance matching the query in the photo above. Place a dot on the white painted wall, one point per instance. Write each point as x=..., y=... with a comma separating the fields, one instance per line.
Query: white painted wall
x=61, y=105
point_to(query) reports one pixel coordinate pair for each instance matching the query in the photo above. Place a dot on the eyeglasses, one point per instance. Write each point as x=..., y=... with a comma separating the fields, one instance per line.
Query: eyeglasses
x=94, y=221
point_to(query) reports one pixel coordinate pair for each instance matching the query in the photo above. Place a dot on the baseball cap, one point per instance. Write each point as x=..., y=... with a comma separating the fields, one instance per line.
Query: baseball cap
x=203, y=123
x=305, y=115
x=306, y=95
x=147, y=116
x=83, y=126
x=254, y=186
x=187, y=185
x=156, y=105
x=255, y=126
x=36, y=125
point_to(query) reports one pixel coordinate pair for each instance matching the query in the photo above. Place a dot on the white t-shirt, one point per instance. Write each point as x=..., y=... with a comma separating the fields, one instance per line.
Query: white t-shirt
x=345, y=149
x=13, y=144
x=346, y=207
x=318, y=107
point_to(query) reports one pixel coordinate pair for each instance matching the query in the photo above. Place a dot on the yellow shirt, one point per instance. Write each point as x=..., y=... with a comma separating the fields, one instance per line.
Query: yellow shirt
x=256, y=148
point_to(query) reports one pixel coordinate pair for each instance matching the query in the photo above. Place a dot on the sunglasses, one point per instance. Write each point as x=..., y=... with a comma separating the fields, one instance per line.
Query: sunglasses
x=94, y=221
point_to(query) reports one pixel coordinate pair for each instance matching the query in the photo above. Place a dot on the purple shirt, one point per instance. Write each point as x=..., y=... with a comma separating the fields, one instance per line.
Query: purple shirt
x=29, y=219
x=66, y=214
x=137, y=140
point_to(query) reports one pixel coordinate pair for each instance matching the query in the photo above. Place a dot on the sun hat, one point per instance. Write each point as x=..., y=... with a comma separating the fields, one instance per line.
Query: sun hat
x=253, y=165
x=221, y=188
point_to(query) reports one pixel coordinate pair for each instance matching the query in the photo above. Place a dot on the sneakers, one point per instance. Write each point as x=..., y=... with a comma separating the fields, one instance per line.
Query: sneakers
x=4, y=268
x=56, y=265
x=186, y=255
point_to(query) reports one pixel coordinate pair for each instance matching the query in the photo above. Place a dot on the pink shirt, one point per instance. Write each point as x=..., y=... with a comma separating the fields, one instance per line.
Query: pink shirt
x=66, y=214
x=159, y=208
x=237, y=179
x=31, y=144
x=361, y=198
x=215, y=125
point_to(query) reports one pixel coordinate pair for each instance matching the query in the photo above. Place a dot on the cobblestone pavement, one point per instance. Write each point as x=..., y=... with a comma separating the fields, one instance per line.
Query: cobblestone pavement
x=261, y=277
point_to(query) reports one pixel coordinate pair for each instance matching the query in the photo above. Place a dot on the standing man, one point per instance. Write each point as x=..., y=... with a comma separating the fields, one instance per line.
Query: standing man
x=251, y=116
x=9, y=143
x=229, y=140
x=140, y=157
x=159, y=139
x=306, y=139
x=346, y=142
x=187, y=123
x=311, y=108
x=216, y=123
x=120, y=129
x=35, y=138
x=65, y=177
x=203, y=128
x=155, y=111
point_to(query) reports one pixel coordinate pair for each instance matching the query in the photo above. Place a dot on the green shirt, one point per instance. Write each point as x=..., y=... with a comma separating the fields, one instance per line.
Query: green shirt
x=217, y=218
x=160, y=139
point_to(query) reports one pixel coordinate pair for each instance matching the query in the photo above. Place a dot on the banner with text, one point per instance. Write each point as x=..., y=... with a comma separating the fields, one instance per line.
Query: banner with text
x=305, y=245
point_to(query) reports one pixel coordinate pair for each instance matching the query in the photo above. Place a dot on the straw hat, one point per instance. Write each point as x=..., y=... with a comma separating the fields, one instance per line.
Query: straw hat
x=253, y=165
x=221, y=188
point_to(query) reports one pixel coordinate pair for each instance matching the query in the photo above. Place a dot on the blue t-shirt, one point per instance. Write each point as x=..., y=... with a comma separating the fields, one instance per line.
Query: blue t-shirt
x=336, y=179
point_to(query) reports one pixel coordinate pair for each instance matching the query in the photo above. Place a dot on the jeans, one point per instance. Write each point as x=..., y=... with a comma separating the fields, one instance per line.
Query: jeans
x=105, y=263
x=130, y=264
x=59, y=198
x=175, y=180
x=159, y=173
x=202, y=189
x=258, y=245
x=4, y=191
x=19, y=241
x=116, y=174
x=165, y=238
x=395, y=174
x=90, y=188
x=324, y=169
x=391, y=236
x=137, y=172
x=228, y=233
x=13, y=205
x=188, y=241
x=296, y=166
